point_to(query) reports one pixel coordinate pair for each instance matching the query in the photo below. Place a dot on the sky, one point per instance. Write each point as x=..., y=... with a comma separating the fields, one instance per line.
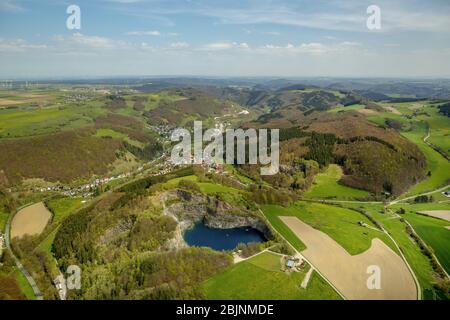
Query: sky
x=283, y=38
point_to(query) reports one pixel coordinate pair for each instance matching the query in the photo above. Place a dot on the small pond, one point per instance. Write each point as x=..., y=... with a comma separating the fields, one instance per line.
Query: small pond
x=221, y=239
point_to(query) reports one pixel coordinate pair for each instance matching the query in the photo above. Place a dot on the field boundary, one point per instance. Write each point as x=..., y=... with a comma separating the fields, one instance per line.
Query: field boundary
x=19, y=265
x=298, y=253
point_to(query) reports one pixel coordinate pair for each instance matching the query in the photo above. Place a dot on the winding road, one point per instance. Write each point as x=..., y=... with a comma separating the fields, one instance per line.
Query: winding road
x=19, y=265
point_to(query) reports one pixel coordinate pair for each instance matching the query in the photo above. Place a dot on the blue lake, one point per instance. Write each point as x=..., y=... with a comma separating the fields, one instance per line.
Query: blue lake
x=221, y=239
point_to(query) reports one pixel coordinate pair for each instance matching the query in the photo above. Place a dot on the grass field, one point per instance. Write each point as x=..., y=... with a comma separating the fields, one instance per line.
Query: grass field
x=326, y=186
x=20, y=122
x=422, y=115
x=260, y=278
x=205, y=187
x=418, y=262
x=347, y=108
x=61, y=207
x=30, y=220
x=341, y=224
x=117, y=135
x=440, y=128
x=25, y=286
x=434, y=233
x=436, y=163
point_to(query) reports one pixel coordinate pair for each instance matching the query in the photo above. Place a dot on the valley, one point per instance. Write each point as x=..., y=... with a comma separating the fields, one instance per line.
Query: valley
x=356, y=172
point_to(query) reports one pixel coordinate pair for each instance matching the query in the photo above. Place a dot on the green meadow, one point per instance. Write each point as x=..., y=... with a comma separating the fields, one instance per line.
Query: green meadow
x=25, y=287
x=102, y=133
x=417, y=260
x=347, y=108
x=436, y=163
x=36, y=121
x=326, y=186
x=260, y=278
x=62, y=207
x=341, y=224
x=205, y=187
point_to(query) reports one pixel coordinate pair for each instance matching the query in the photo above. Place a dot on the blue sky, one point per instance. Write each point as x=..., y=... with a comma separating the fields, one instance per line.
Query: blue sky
x=295, y=38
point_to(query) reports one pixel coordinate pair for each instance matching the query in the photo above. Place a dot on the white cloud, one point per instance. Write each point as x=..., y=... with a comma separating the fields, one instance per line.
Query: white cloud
x=144, y=33
x=179, y=45
x=96, y=41
x=19, y=45
x=312, y=48
x=217, y=46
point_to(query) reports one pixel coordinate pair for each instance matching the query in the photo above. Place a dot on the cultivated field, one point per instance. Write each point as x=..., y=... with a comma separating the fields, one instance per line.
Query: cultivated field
x=30, y=220
x=350, y=273
x=260, y=278
x=326, y=186
x=441, y=214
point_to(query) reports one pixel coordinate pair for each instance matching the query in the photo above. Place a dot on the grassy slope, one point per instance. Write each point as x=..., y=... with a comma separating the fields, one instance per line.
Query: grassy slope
x=415, y=131
x=434, y=233
x=61, y=207
x=19, y=122
x=347, y=108
x=341, y=224
x=259, y=278
x=440, y=128
x=25, y=286
x=326, y=186
x=437, y=164
x=418, y=262
x=205, y=187
x=101, y=133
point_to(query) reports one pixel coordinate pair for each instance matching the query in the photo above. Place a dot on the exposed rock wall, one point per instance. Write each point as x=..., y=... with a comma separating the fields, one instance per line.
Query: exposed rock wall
x=189, y=208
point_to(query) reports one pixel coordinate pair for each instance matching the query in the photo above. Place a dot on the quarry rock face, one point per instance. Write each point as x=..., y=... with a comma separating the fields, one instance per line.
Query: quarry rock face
x=190, y=208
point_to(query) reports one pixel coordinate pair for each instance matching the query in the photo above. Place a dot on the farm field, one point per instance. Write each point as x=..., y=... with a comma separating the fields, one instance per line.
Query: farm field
x=25, y=286
x=260, y=278
x=341, y=224
x=440, y=214
x=12, y=98
x=417, y=260
x=104, y=133
x=349, y=273
x=30, y=220
x=205, y=187
x=61, y=207
x=326, y=186
x=416, y=118
x=436, y=163
x=20, y=123
x=435, y=233
x=347, y=108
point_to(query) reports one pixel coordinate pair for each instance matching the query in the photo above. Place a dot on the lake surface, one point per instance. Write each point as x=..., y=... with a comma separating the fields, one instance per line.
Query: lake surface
x=221, y=239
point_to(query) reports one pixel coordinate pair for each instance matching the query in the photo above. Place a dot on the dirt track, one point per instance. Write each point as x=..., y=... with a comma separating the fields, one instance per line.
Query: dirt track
x=349, y=273
x=441, y=214
x=30, y=220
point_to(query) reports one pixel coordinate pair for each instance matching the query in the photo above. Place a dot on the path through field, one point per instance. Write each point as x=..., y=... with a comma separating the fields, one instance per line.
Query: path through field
x=349, y=274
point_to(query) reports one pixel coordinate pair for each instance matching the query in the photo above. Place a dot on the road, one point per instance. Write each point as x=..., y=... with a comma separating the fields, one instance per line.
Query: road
x=418, y=195
x=299, y=255
x=19, y=265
